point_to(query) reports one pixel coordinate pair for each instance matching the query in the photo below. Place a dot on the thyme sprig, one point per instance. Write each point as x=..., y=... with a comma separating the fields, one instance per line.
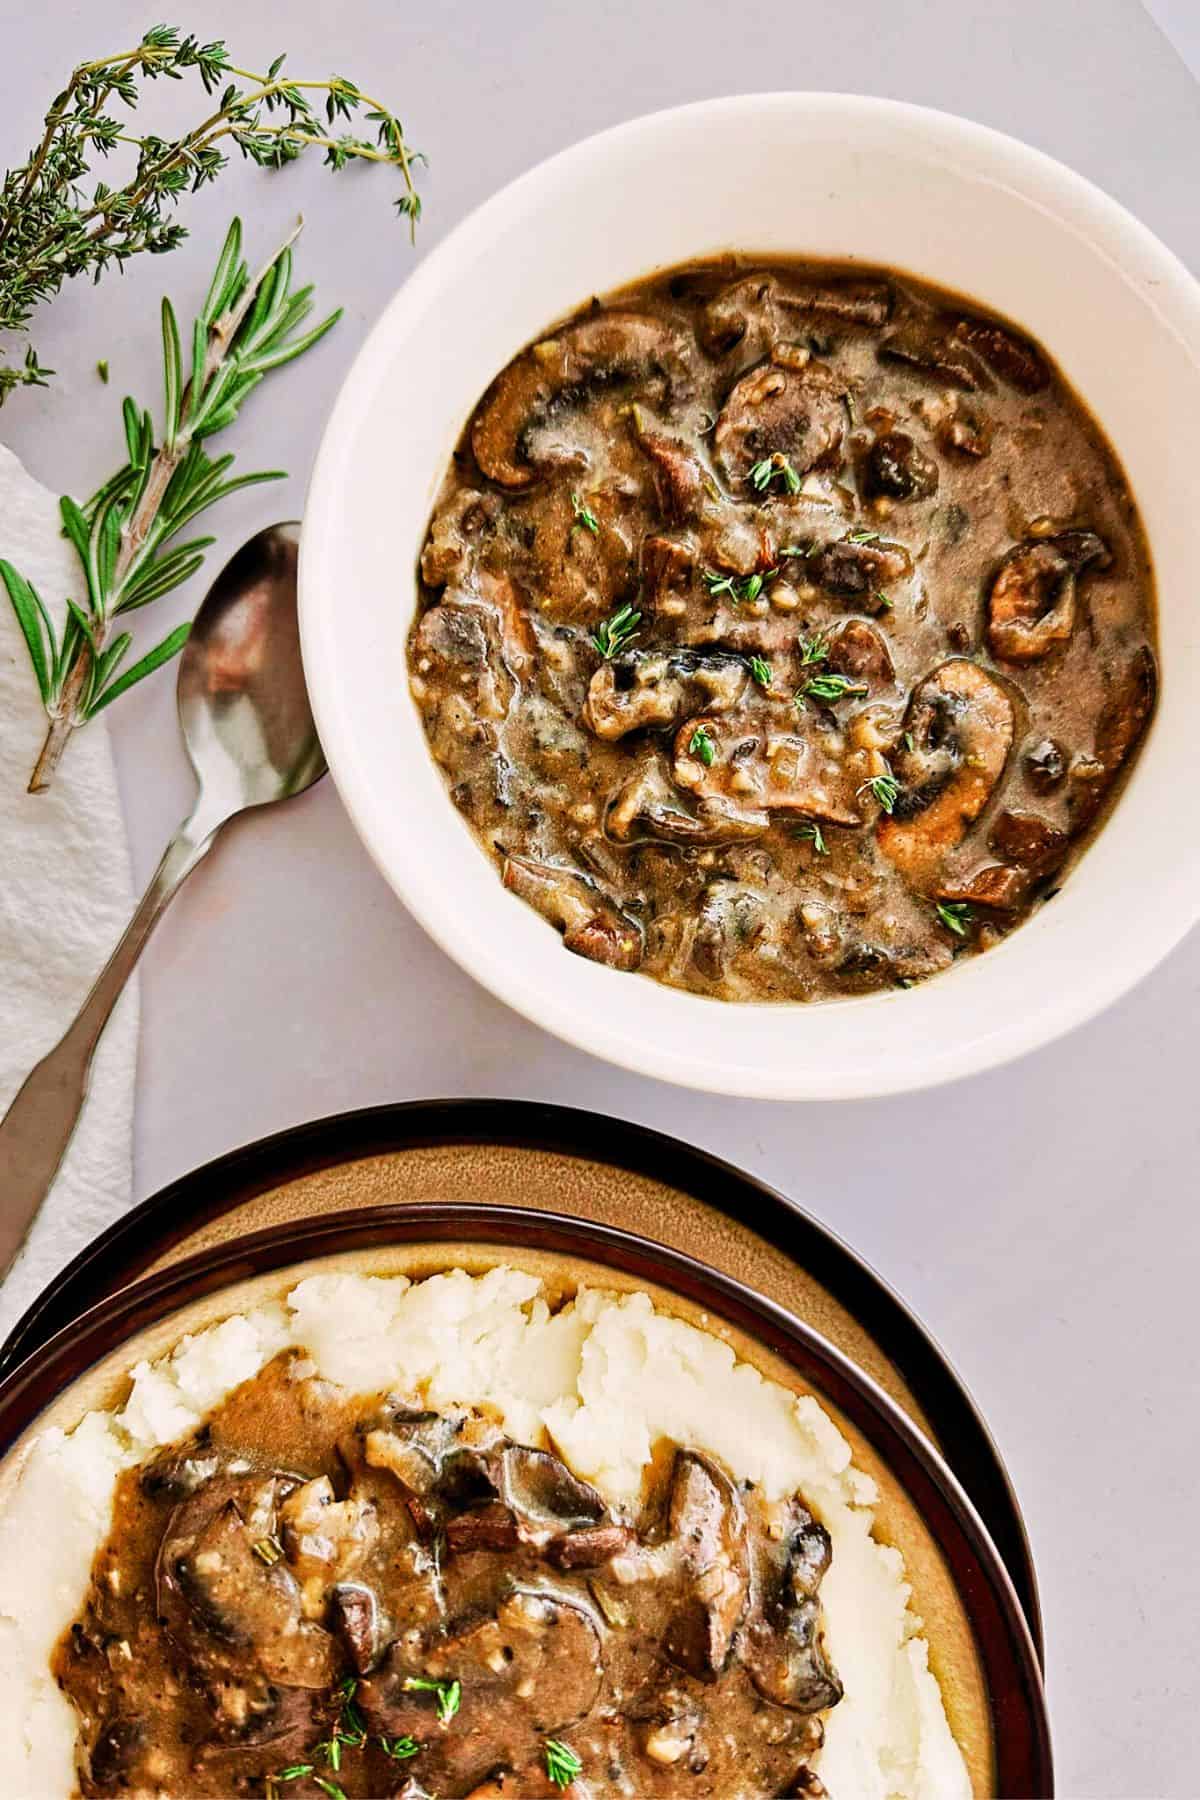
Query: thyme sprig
x=614, y=633
x=53, y=228
x=126, y=535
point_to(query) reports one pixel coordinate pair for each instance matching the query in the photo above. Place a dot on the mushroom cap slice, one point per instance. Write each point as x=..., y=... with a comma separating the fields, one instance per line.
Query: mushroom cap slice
x=591, y=925
x=235, y=1611
x=707, y=1522
x=1031, y=602
x=960, y=721
x=778, y=409
x=609, y=349
x=754, y=765
x=646, y=688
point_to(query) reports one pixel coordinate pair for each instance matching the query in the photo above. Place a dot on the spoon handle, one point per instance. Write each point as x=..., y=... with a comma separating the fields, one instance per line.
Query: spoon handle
x=37, y=1127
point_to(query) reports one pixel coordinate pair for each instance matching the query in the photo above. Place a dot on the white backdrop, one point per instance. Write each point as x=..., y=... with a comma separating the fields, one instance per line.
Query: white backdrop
x=1042, y=1219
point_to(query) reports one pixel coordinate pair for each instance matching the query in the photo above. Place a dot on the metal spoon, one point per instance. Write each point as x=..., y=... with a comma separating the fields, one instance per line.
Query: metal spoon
x=249, y=732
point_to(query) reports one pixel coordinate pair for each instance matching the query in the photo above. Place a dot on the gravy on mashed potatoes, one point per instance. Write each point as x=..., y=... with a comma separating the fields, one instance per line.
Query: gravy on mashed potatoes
x=435, y=1539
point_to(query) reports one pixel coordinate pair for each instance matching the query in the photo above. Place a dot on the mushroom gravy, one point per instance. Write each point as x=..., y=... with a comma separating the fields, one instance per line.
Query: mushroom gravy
x=784, y=631
x=315, y=1594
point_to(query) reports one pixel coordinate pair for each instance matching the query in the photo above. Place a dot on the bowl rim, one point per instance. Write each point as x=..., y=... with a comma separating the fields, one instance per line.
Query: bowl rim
x=140, y=1237
x=1054, y=188
x=1022, y=1754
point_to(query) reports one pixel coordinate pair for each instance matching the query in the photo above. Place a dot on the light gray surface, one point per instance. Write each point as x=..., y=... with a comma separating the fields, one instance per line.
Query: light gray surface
x=1042, y=1219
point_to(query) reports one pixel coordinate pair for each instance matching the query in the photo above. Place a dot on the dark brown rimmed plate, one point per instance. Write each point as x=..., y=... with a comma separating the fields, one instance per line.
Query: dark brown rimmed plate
x=549, y=1157
x=988, y=1666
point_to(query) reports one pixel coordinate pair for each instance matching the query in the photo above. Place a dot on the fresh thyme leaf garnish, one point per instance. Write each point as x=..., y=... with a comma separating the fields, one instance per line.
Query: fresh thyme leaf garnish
x=562, y=1765
x=102, y=370
x=124, y=536
x=801, y=550
x=813, y=650
x=811, y=833
x=268, y=1550
x=294, y=1772
x=57, y=222
x=761, y=671
x=862, y=537
x=831, y=687
x=585, y=516
x=616, y=632
x=886, y=790
x=400, y=1749
x=882, y=601
x=701, y=745
x=907, y=741
x=955, y=915
x=329, y=1787
x=770, y=468
x=737, y=587
x=449, y=1694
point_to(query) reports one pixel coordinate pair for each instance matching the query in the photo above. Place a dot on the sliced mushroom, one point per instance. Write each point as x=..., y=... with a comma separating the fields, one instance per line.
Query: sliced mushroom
x=1046, y=765
x=857, y=570
x=229, y=1598
x=667, y=568
x=707, y=1523
x=1118, y=732
x=1031, y=604
x=1010, y=357
x=784, y=1649
x=529, y=1670
x=456, y=530
x=1033, y=843
x=965, y=433
x=998, y=886
x=591, y=925
x=545, y=1494
x=897, y=469
x=730, y=916
x=456, y=640
x=679, y=475
x=354, y=1619
x=754, y=304
x=610, y=349
x=647, y=809
x=778, y=410
x=588, y=1548
x=517, y=642
x=740, y=760
x=931, y=350
x=647, y=688
x=860, y=651
x=960, y=723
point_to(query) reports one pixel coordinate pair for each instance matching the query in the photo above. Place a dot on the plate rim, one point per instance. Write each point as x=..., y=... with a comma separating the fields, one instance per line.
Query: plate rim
x=1023, y=1760
x=120, y=1255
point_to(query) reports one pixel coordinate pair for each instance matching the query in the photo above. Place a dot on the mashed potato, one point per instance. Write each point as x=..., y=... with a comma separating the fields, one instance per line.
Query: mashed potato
x=604, y=1378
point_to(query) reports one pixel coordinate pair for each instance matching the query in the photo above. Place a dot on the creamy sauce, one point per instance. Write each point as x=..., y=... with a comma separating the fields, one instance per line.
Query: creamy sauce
x=784, y=633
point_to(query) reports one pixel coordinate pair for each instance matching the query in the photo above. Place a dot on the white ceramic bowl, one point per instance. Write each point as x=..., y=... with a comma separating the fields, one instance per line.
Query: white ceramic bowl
x=821, y=175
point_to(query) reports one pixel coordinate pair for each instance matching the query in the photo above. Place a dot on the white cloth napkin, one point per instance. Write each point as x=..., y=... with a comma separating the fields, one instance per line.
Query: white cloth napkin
x=65, y=897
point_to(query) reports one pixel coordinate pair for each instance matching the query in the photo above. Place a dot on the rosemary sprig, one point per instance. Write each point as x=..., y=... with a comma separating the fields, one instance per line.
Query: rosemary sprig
x=52, y=229
x=125, y=534
x=760, y=668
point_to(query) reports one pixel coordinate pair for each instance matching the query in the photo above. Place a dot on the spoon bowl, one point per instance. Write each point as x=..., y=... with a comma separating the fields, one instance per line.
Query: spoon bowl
x=249, y=731
x=243, y=705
